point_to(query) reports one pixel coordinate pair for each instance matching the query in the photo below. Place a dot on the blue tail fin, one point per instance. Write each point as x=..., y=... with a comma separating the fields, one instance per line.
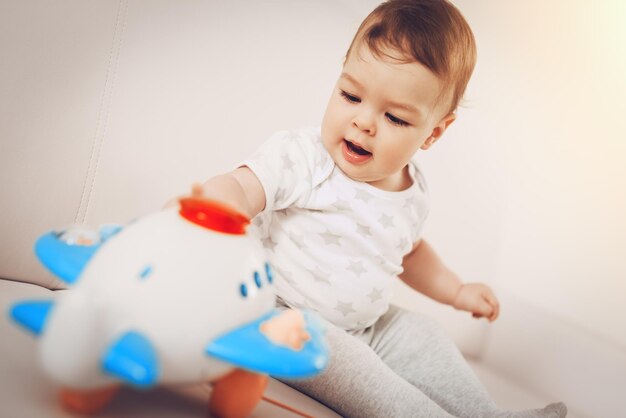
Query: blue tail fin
x=66, y=253
x=64, y=260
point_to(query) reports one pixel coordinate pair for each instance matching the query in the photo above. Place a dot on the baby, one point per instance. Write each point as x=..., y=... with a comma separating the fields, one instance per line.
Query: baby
x=340, y=209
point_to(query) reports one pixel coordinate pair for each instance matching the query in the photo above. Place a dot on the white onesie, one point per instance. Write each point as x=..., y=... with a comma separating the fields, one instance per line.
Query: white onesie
x=335, y=244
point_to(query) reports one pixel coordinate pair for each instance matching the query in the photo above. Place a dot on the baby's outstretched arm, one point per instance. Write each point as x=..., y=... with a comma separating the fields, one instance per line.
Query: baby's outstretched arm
x=425, y=272
x=239, y=188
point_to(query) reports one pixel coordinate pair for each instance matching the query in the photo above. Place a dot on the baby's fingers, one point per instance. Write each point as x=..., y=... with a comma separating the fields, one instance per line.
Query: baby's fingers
x=197, y=190
x=483, y=309
x=493, y=302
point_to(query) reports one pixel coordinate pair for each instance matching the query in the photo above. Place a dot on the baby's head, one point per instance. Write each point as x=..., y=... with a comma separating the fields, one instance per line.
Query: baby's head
x=403, y=77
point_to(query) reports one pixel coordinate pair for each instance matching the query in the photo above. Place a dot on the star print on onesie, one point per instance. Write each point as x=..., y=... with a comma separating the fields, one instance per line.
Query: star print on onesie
x=335, y=244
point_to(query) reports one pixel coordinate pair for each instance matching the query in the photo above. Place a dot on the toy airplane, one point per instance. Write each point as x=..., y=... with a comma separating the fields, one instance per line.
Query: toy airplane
x=178, y=296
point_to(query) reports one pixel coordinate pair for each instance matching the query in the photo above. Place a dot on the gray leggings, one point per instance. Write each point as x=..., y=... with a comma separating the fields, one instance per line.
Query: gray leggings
x=402, y=366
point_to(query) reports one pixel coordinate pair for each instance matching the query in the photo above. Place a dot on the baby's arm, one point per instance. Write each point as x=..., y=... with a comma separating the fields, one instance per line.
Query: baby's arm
x=425, y=272
x=239, y=188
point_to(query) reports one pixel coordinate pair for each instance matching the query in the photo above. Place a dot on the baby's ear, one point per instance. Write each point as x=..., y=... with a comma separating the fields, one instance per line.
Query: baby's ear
x=439, y=130
x=431, y=140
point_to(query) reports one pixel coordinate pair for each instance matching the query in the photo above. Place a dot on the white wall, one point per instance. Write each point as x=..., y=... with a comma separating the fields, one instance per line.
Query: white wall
x=548, y=98
x=549, y=101
x=529, y=185
x=529, y=194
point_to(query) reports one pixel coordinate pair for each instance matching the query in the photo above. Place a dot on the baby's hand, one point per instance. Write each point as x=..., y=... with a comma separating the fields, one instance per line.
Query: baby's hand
x=196, y=192
x=478, y=299
x=199, y=192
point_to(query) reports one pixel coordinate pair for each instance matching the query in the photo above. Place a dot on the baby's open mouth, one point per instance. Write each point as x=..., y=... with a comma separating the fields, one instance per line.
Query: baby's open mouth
x=356, y=149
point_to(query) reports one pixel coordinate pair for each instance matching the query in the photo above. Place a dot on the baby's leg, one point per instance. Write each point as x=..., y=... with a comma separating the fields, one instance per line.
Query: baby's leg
x=419, y=350
x=356, y=383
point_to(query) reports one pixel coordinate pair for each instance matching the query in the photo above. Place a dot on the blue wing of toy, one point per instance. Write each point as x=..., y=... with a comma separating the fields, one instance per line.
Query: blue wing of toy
x=248, y=348
x=132, y=358
x=32, y=314
x=65, y=259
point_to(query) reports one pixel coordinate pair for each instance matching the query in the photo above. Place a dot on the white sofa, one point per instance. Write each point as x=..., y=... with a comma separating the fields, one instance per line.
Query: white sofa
x=111, y=108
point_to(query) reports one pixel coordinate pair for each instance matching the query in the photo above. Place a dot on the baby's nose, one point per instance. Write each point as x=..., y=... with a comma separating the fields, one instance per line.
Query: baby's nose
x=364, y=121
x=287, y=328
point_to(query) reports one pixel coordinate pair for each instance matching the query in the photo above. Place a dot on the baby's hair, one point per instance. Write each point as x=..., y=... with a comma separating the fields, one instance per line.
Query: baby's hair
x=431, y=32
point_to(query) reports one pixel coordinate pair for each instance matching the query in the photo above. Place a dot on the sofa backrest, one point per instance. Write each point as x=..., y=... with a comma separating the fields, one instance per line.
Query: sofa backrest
x=111, y=108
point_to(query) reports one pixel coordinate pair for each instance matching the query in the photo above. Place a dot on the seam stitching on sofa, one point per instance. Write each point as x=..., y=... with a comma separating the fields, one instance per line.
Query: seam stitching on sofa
x=103, y=114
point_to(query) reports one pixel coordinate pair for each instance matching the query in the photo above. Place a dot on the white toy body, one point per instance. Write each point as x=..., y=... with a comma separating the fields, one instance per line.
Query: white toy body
x=175, y=306
x=172, y=298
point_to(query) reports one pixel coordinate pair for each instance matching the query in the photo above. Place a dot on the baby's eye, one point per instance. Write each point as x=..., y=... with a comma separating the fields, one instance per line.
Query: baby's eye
x=395, y=120
x=350, y=98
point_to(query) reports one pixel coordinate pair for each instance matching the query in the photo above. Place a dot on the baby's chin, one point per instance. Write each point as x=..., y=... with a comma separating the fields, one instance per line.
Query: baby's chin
x=356, y=173
x=392, y=182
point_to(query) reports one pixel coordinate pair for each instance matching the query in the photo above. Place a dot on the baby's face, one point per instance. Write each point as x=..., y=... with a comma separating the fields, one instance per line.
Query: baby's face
x=379, y=115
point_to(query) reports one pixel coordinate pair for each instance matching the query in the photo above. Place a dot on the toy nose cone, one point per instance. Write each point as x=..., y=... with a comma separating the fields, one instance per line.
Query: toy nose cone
x=249, y=348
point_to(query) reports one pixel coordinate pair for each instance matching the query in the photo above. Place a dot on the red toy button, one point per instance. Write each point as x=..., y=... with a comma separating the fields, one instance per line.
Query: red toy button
x=213, y=215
